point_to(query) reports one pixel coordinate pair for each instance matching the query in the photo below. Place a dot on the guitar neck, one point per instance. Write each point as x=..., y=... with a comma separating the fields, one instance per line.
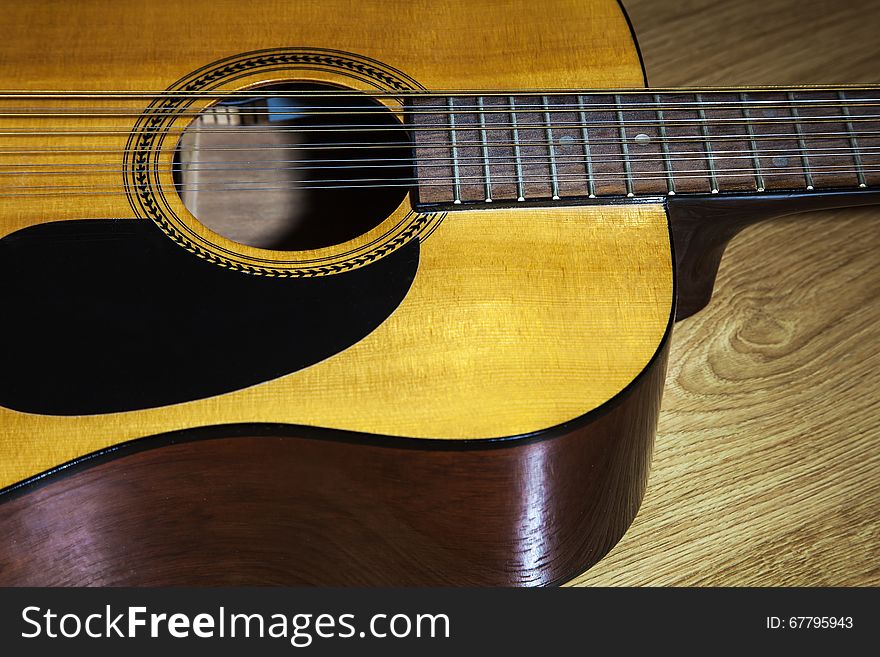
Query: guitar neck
x=497, y=147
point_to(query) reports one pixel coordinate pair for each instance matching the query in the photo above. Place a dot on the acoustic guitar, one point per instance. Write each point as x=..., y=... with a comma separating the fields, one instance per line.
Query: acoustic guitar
x=324, y=294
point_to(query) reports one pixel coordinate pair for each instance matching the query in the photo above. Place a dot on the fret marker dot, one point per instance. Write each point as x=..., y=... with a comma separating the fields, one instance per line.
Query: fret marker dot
x=780, y=161
x=566, y=139
x=643, y=139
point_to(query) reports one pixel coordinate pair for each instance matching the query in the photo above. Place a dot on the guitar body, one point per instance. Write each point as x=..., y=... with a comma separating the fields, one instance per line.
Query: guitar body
x=447, y=398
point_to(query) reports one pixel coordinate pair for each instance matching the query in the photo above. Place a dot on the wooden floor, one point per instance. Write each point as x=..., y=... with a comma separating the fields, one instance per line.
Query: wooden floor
x=767, y=465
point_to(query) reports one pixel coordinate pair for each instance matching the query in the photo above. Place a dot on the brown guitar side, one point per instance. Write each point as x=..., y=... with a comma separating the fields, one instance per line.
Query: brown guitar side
x=311, y=508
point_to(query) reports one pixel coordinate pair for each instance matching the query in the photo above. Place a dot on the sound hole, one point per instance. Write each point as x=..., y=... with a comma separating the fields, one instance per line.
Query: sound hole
x=286, y=170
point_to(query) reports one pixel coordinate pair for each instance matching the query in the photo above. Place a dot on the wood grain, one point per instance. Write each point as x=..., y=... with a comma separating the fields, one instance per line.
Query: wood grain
x=766, y=469
x=767, y=462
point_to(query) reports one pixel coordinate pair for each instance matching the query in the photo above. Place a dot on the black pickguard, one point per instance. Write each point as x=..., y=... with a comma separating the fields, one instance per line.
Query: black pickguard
x=107, y=316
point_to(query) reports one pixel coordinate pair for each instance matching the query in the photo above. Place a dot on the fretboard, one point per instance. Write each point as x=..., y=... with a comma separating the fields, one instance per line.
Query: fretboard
x=506, y=148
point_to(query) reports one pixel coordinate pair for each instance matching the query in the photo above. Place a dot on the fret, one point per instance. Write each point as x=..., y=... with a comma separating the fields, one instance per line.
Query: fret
x=808, y=176
x=643, y=156
x=471, y=160
x=433, y=166
x=535, y=152
x=710, y=158
x=868, y=126
x=664, y=140
x=853, y=140
x=456, y=184
x=520, y=185
x=732, y=157
x=831, y=161
x=568, y=147
x=685, y=142
x=624, y=148
x=756, y=161
x=777, y=139
x=487, y=174
x=551, y=148
x=588, y=156
x=609, y=176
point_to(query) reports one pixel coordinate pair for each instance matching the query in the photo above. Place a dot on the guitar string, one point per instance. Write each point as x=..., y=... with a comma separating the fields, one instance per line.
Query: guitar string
x=472, y=161
x=231, y=185
x=250, y=95
x=609, y=125
x=42, y=112
x=435, y=145
x=419, y=93
x=482, y=158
